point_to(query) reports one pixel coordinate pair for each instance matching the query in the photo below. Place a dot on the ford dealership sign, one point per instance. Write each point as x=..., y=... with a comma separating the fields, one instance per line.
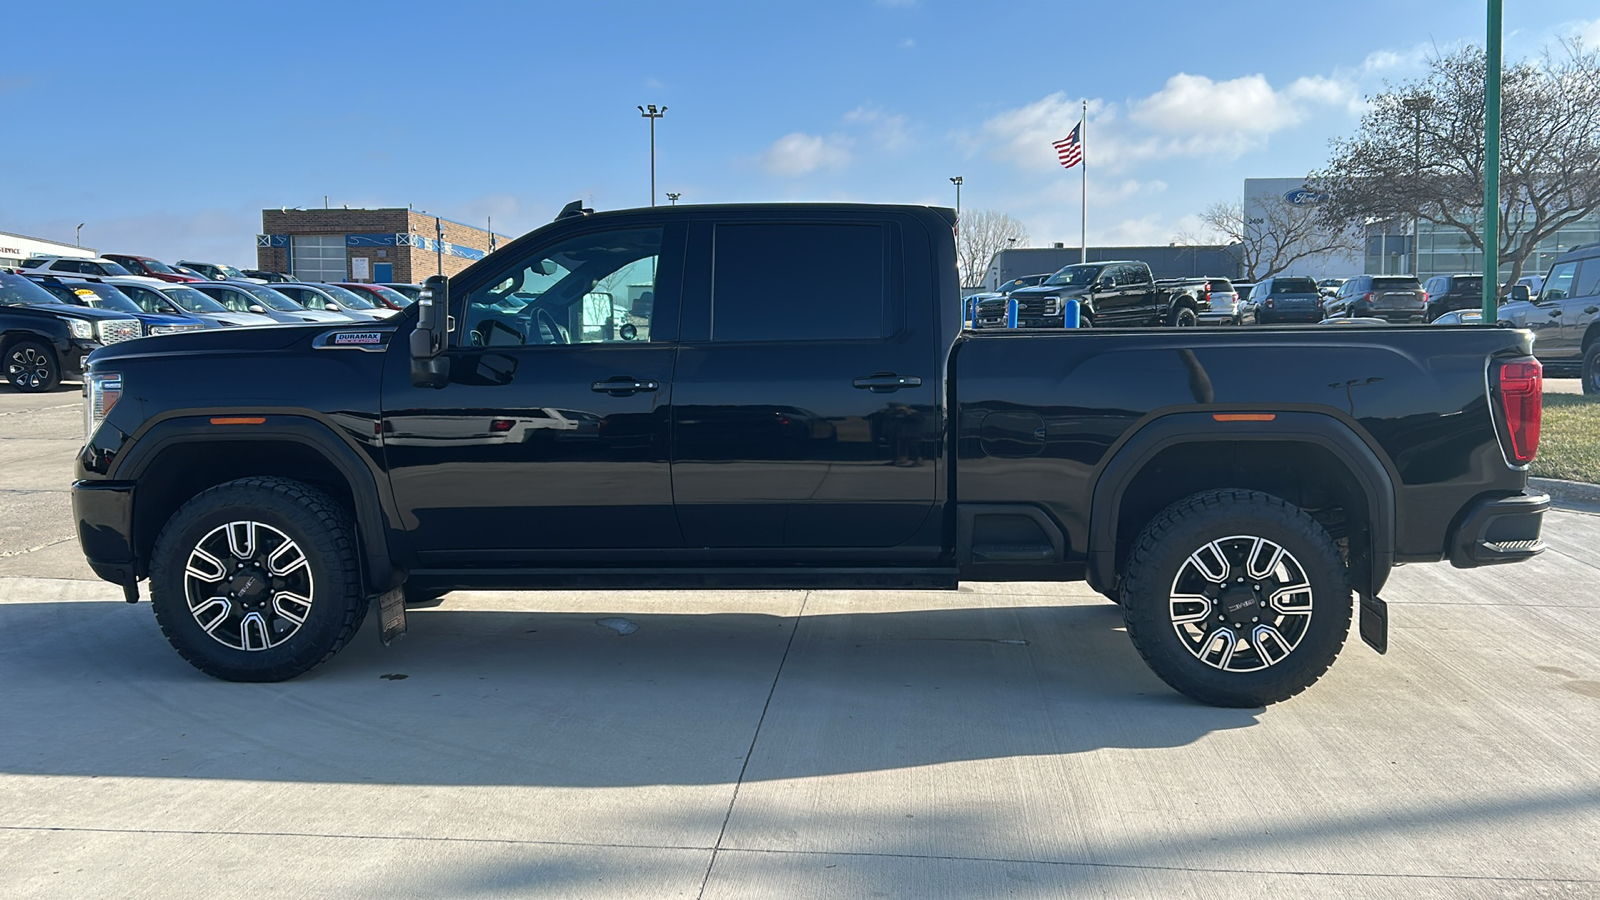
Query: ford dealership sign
x=1304, y=197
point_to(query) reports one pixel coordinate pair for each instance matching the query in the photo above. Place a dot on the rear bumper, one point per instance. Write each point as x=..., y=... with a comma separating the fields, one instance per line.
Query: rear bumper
x=1499, y=530
x=104, y=513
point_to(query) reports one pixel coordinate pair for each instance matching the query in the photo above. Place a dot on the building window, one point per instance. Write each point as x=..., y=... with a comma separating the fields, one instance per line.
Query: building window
x=319, y=257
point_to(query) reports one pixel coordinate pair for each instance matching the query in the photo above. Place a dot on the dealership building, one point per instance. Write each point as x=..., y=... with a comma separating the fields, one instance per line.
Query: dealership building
x=14, y=248
x=376, y=245
x=1393, y=248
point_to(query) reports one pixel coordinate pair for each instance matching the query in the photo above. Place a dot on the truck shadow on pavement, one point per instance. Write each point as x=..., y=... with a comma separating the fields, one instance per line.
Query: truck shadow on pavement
x=553, y=698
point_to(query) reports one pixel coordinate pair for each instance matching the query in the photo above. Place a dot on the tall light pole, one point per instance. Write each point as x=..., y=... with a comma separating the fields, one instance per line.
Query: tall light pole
x=77, y=236
x=652, y=114
x=1491, y=167
x=1418, y=105
x=673, y=197
x=957, y=180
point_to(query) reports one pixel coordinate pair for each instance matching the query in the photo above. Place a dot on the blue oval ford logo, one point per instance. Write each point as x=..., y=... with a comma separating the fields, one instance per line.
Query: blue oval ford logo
x=1305, y=197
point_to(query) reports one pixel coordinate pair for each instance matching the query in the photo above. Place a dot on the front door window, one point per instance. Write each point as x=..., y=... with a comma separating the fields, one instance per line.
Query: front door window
x=594, y=288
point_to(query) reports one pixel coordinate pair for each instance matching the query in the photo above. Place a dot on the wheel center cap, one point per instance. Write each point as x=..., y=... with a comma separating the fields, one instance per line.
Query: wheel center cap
x=248, y=585
x=1239, y=605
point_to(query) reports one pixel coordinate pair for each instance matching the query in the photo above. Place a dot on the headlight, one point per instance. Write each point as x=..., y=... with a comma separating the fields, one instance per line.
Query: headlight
x=1052, y=306
x=101, y=390
x=174, y=329
x=83, y=331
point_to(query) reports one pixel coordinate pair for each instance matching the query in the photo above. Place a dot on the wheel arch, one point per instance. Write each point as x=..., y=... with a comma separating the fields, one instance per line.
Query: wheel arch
x=1180, y=454
x=1590, y=336
x=178, y=458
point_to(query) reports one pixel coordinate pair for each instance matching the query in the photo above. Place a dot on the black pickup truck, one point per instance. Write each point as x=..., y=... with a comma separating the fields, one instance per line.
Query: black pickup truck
x=1121, y=293
x=630, y=399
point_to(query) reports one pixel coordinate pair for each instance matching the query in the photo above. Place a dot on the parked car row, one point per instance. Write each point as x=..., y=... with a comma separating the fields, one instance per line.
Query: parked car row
x=55, y=310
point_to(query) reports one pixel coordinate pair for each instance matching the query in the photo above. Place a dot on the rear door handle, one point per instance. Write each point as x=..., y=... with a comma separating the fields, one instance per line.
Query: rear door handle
x=1591, y=310
x=884, y=382
x=623, y=386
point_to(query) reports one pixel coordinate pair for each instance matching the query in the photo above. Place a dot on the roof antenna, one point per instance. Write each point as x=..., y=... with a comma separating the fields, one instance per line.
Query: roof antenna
x=573, y=209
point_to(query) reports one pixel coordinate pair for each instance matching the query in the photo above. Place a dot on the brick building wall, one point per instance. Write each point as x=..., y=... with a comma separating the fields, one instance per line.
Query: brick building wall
x=411, y=263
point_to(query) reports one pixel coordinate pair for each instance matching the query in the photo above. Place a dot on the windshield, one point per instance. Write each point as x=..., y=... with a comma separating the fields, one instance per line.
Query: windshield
x=230, y=271
x=192, y=300
x=347, y=297
x=18, y=291
x=1074, y=276
x=273, y=299
x=103, y=296
x=156, y=265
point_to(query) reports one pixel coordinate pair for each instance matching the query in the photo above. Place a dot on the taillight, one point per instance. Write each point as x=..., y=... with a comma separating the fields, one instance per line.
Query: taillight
x=1367, y=297
x=1520, y=392
x=1269, y=303
x=1425, y=297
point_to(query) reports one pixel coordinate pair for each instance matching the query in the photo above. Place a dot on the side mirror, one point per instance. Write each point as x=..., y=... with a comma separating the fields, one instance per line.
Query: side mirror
x=332, y=307
x=1101, y=284
x=257, y=308
x=1521, y=293
x=429, y=368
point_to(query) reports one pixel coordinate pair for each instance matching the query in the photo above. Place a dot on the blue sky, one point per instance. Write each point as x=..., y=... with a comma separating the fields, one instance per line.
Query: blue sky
x=167, y=127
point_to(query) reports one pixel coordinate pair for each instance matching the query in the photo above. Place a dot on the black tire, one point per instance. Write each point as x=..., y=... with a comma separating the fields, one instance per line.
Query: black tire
x=1591, y=369
x=329, y=579
x=1183, y=317
x=1168, y=559
x=31, y=367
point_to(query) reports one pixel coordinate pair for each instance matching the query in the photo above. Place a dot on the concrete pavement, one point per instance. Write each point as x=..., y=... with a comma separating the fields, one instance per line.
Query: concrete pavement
x=998, y=741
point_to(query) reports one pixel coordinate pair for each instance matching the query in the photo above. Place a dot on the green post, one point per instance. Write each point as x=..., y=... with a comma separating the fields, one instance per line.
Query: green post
x=1491, y=170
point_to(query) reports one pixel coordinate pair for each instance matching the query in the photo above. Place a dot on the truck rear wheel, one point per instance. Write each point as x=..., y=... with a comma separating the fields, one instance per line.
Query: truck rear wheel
x=31, y=367
x=257, y=579
x=1183, y=317
x=1236, y=598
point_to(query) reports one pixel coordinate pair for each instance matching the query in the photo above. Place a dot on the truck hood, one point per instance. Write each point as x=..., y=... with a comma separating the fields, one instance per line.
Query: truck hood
x=221, y=340
x=1059, y=290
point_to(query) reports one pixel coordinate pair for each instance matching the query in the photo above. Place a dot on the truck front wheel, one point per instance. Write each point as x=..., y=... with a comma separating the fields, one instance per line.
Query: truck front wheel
x=1591, y=369
x=257, y=579
x=1236, y=598
x=31, y=367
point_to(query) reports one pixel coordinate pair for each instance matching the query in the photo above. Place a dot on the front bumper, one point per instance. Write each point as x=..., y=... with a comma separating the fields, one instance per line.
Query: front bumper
x=1497, y=530
x=73, y=357
x=104, y=513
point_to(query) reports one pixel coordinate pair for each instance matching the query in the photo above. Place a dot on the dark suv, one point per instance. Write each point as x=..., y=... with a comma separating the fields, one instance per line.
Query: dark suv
x=1565, y=318
x=1397, y=298
x=1449, y=292
x=1287, y=298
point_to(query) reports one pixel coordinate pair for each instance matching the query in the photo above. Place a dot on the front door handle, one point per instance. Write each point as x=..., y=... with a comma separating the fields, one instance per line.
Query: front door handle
x=624, y=386
x=1591, y=310
x=884, y=382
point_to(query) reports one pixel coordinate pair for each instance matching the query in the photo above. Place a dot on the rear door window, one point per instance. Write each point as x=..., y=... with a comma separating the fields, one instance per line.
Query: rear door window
x=800, y=281
x=1587, y=283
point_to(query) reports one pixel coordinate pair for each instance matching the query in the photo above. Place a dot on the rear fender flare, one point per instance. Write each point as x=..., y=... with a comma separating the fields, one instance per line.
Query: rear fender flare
x=1319, y=429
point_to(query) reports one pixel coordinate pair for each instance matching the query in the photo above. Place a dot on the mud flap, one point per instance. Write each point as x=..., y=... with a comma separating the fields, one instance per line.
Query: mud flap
x=392, y=615
x=1375, y=623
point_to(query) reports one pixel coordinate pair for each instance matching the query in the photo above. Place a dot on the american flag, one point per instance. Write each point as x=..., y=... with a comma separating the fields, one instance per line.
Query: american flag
x=1070, y=149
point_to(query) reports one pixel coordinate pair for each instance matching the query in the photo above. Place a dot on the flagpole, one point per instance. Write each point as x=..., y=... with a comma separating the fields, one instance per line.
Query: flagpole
x=1083, y=139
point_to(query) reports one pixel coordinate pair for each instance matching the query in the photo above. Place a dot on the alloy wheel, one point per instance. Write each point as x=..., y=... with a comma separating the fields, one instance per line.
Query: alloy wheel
x=1241, y=603
x=28, y=368
x=248, y=585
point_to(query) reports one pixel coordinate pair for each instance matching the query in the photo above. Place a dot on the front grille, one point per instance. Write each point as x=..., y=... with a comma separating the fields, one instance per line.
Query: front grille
x=118, y=330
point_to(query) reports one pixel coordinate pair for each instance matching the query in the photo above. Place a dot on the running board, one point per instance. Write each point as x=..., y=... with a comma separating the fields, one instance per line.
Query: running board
x=743, y=578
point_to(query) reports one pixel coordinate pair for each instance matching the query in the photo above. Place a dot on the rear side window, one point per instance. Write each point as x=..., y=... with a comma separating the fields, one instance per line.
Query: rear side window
x=1588, y=283
x=795, y=281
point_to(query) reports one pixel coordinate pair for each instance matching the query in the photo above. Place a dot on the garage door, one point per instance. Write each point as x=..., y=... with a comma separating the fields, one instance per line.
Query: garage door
x=319, y=257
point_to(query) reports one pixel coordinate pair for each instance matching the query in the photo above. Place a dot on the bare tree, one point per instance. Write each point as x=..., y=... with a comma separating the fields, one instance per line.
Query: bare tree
x=983, y=234
x=1281, y=236
x=1419, y=151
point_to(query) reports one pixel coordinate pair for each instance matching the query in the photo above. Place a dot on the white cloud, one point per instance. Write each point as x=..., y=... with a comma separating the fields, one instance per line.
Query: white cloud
x=801, y=154
x=887, y=130
x=907, y=43
x=1023, y=136
x=1589, y=33
x=1226, y=118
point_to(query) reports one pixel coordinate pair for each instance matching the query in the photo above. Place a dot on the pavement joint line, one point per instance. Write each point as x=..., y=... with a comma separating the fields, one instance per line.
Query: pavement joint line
x=786, y=852
x=773, y=689
x=1149, y=867
x=441, y=839
x=853, y=854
